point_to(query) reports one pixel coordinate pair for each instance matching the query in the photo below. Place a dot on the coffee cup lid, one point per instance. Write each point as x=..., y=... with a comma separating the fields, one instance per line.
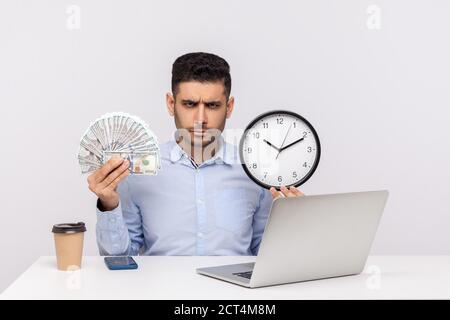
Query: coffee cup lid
x=69, y=227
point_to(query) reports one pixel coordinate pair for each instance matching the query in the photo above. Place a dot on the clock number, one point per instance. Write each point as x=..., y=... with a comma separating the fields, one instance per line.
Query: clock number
x=249, y=150
x=280, y=178
x=304, y=134
x=265, y=125
x=256, y=135
x=280, y=120
x=309, y=149
x=254, y=166
x=294, y=124
x=305, y=164
x=294, y=175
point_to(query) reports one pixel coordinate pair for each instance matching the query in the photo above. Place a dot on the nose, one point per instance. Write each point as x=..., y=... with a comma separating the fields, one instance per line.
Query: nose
x=201, y=117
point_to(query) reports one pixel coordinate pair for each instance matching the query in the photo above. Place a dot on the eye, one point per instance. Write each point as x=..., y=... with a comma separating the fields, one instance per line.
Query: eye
x=189, y=104
x=213, y=105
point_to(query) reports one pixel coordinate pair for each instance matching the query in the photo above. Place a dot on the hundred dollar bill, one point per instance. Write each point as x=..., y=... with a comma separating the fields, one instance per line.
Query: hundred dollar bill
x=140, y=163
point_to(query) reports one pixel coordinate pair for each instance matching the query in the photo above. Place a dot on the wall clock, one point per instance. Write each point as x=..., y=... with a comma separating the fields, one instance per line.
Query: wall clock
x=279, y=148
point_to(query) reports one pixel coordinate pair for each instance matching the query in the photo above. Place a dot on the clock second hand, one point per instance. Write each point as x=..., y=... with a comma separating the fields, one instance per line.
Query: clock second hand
x=282, y=144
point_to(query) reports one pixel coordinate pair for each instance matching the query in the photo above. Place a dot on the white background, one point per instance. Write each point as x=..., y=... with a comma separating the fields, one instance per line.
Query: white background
x=378, y=98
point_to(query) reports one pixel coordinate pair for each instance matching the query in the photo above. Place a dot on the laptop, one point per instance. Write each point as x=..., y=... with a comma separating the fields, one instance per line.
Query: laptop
x=310, y=237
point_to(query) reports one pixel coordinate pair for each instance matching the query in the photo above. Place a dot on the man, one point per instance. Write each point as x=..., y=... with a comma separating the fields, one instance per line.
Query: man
x=201, y=202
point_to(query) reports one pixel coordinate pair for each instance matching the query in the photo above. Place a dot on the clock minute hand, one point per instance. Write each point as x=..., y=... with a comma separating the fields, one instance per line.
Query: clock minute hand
x=291, y=144
x=282, y=144
x=271, y=145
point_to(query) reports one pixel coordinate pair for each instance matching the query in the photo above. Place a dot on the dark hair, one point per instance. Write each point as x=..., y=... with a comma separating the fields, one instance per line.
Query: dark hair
x=202, y=67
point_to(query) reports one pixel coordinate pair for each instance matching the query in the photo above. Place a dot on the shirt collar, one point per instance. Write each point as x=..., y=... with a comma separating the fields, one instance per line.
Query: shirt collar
x=225, y=153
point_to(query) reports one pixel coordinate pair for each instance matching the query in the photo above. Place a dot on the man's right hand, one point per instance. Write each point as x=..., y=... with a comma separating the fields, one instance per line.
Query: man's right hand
x=104, y=181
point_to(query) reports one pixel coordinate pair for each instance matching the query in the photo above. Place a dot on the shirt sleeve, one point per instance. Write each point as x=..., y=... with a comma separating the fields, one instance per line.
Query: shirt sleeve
x=260, y=219
x=119, y=231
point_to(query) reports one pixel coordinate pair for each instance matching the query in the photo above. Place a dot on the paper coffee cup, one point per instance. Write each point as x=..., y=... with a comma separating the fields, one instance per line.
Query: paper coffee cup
x=69, y=245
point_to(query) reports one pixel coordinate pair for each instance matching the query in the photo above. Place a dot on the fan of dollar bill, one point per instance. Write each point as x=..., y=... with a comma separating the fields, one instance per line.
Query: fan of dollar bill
x=119, y=134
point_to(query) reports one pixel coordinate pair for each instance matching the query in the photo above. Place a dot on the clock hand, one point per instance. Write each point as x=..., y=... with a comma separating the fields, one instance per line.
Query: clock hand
x=296, y=141
x=282, y=144
x=271, y=144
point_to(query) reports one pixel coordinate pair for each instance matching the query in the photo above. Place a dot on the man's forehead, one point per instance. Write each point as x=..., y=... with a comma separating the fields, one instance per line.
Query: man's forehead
x=206, y=91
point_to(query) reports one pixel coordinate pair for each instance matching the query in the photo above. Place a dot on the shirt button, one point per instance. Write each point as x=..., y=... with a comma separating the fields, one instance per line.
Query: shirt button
x=200, y=201
x=199, y=234
x=112, y=220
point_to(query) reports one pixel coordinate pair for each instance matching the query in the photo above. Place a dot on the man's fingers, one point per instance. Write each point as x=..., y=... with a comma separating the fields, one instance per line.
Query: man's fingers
x=297, y=192
x=277, y=194
x=113, y=185
x=113, y=175
x=287, y=192
x=274, y=192
x=107, y=168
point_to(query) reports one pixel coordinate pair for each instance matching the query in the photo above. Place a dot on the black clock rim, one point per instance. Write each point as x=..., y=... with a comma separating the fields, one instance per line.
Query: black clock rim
x=269, y=113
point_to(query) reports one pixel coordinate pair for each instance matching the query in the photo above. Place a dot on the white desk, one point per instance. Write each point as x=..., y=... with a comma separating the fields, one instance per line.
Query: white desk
x=160, y=277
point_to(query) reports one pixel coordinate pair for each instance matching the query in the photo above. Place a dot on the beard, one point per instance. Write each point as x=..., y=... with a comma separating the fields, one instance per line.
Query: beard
x=197, y=138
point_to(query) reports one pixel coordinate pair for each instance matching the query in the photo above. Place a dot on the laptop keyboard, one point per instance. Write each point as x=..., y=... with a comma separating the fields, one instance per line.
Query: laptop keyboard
x=247, y=274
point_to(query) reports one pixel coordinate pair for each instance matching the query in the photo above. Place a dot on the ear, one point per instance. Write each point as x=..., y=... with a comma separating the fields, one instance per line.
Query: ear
x=170, y=102
x=230, y=106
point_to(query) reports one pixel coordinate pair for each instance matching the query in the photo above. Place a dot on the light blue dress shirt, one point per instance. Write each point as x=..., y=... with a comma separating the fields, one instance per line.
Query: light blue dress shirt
x=210, y=209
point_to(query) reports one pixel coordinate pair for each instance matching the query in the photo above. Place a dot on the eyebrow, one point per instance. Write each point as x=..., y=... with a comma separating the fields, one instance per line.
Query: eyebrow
x=197, y=101
x=213, y=102
x=189, y=101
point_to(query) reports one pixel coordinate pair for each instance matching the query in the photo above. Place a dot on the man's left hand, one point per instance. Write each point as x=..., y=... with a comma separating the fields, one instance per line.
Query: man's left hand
x=291, y=192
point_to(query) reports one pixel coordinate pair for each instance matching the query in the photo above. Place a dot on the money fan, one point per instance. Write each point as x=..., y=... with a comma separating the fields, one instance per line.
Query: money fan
x=120, y=134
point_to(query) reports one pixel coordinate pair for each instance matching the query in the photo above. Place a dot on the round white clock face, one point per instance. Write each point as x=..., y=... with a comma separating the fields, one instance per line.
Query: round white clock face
x=279, y=148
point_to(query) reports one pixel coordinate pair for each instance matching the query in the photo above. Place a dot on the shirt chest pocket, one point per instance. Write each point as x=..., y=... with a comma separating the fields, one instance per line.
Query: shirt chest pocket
x=233, y=210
